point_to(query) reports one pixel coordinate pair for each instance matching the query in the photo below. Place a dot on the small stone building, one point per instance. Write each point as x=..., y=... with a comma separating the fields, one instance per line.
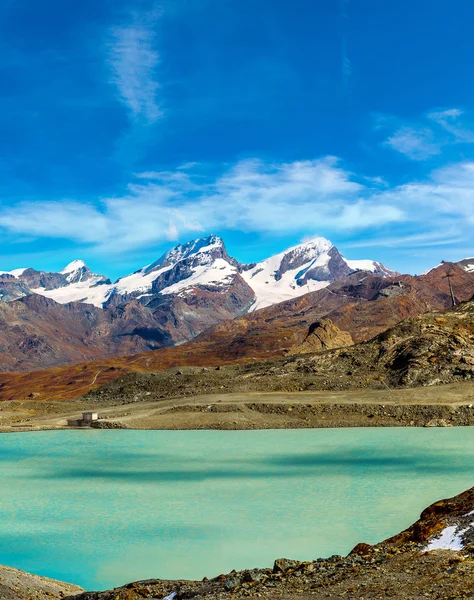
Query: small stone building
x=87, y=419
x=89, y=416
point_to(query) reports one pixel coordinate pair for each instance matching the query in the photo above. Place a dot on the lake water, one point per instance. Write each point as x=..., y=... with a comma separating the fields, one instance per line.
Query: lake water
x=103, y=508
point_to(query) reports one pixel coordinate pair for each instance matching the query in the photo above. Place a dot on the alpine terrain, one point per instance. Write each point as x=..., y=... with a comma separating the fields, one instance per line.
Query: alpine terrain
x=49, y=319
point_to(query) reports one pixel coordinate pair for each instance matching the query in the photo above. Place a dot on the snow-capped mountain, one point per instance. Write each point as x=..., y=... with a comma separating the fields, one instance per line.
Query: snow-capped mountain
x=304, y=268
x=467, y=264
x=75, y=283
x=199, y=266
x=202, y=263
x=72, y=284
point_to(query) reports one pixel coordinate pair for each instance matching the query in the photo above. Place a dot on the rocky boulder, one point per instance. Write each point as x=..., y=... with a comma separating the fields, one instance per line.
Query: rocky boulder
x=17, y=585
x=323, y=335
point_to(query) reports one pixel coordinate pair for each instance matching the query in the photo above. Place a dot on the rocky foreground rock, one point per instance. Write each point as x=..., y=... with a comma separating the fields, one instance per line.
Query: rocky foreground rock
x=432, y=559
x=17, y=585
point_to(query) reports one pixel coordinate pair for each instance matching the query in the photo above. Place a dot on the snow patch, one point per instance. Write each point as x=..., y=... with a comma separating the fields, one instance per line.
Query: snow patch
x=205, y=263
x=141, y=281
x=361, y=265
x=15, y=273
x=88, y=292
x=449, y=539
x=432, y=269
x=218, y=272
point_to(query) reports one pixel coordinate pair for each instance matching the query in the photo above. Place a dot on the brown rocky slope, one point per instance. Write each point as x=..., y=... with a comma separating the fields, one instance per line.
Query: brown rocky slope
x=362, y=305
x=430, y=349
x=17, y=585
x=37, y=332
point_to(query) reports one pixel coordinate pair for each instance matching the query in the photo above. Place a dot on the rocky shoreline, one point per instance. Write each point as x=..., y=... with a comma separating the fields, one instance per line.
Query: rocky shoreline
x=434, y=558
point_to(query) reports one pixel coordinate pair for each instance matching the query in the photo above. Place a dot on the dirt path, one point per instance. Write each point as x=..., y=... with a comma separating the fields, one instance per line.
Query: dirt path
x=444, y=405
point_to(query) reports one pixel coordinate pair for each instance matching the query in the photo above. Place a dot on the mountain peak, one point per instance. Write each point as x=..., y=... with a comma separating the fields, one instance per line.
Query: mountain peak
x=307, y=250
x=315, y=242
x=206, y=245
x=16, y=273
x=467, y=264
x=199, y=245
x=306, y=267
x=73, y=266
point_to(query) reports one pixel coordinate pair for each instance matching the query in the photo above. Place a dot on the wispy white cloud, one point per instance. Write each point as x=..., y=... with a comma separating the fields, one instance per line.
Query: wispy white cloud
x=250, y=196
x=303, y=197
x=172, y=232
x=133, y=61
x=417, y=144
x=66, y=219
x=429, y=135
x=450, y=121
x=435, y=238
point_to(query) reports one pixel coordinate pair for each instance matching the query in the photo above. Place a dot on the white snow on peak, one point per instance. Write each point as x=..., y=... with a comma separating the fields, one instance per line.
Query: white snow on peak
x=15, y=273
x=204, y=273
x=205, y=263
x=362, y=265
x=87, y=292
x=269, y=289
x=198, y=248
x=209, y=271
x=73, y=266
x=432, y=269
x=218, y=273
x=141, y=281
x=317, y=241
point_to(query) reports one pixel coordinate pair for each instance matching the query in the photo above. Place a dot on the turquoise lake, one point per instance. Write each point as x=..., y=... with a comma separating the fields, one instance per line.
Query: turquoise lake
x=103, y=508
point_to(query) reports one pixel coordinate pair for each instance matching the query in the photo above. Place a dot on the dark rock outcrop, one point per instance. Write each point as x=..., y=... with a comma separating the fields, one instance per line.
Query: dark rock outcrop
x=323, y=335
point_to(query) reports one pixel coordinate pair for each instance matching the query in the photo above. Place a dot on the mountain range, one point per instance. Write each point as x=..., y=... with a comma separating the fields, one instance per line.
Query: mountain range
x=49, y=319
x=196, y=291
x=198, y=265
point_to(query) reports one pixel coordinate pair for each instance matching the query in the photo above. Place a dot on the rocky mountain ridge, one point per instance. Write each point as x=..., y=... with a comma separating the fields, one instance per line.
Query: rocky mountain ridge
x=304, y=268
x=202, y=264
x=18, y=585
x=197, y=289
x=49, y=319
x=362, y=305
x=429, y=349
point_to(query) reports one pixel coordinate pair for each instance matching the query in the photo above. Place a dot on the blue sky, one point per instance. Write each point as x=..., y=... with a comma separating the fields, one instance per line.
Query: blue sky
x=128, y=126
